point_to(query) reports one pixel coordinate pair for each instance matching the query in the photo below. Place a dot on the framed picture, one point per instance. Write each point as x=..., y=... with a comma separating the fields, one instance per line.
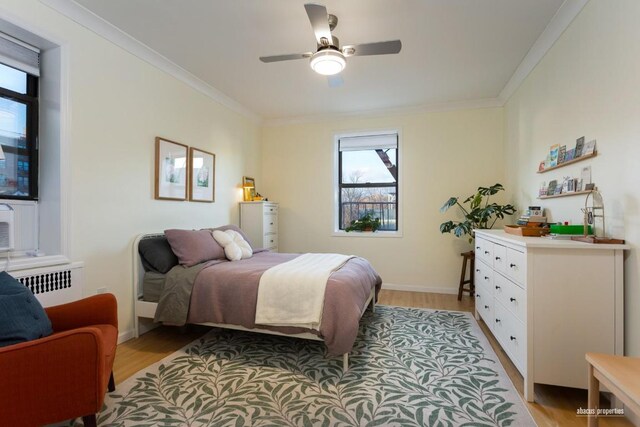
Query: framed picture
x=202, y=179
x=249, y=187
x=171, y=170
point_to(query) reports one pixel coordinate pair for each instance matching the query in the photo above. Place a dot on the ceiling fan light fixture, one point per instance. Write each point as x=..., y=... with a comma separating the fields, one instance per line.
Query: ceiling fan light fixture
x=328, y=62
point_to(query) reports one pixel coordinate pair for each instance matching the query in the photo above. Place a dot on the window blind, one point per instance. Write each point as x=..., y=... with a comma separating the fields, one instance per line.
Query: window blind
x=370, y=142
x=19, y=55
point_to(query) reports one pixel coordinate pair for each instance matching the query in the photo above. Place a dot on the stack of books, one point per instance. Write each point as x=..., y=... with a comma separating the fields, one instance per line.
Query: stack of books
x=532, y=217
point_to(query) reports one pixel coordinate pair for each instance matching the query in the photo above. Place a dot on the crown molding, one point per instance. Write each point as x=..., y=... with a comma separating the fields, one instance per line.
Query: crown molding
x=558, y=24
x=108, y=31
x=387, y=112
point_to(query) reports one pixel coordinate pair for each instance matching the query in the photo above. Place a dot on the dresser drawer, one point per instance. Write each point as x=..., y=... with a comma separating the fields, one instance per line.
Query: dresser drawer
x=499, y=258
x=511, y=296
x=484, y=251
x=270, y=241
x=270, y=224
x=484, y=277
x=517, y=266
x=512, y=335
x=484, y=304
x=271, y=209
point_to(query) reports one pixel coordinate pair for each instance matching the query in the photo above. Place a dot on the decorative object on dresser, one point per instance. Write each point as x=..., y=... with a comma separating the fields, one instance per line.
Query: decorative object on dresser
x=534, y=295
x=259, y=221
x=248, y=188
x=202, y=174
x=477, y=215
x=171, y=170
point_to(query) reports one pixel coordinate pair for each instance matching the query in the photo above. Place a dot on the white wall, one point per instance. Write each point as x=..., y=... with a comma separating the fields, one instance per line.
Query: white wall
x=587, y=84
x=118, y=104
x=442, y=154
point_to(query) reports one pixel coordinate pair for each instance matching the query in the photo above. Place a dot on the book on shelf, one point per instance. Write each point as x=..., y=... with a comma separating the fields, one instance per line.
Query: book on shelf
x=553, y=155
x=579, y=147
x=562, y=154
x=589, y=148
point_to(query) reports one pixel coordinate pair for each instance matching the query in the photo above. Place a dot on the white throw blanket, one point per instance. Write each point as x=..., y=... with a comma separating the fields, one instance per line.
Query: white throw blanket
x=292, y=293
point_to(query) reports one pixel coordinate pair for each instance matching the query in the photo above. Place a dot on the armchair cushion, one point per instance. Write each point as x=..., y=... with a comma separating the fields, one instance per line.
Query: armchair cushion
x=22, y=318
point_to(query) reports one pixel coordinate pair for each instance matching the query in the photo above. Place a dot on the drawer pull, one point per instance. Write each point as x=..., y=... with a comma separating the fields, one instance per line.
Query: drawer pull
x=486, y=252
x=487, y=307
x=477, y=270
x=497, y=258
x=270, y=223
x=486, y=278
x=477, y=295
x=497, y=287
x=477, y=247
x=512, y=299
x=497, y=320
x=512, y=265
x=512, y=338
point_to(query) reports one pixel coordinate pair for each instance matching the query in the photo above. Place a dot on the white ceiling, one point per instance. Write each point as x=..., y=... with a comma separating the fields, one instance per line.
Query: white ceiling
x=452, y=50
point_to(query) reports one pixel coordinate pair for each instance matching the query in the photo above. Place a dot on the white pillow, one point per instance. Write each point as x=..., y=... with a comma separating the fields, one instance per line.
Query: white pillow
x=235, y=247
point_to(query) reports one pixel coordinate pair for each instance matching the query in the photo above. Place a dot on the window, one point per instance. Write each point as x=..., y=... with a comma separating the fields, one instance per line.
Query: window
x=368, y=179
x=18, y=120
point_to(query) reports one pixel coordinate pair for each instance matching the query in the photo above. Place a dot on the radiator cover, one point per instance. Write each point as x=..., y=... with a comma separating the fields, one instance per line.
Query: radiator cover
x=53, y=285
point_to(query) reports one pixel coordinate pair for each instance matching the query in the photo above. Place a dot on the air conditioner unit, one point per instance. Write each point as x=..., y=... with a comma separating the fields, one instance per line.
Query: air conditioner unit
x=6, y=228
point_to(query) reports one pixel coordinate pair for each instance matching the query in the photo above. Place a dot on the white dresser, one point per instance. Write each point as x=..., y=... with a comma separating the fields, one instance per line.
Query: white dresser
x=259, y=221
x=548, y=302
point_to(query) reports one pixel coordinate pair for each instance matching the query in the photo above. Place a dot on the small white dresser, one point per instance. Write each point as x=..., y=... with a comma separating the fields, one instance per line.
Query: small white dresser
x=259, y=221
x=548, y=302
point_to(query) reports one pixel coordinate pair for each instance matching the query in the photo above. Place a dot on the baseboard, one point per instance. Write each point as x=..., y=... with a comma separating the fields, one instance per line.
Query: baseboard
x=424, y=289
x=125, y=336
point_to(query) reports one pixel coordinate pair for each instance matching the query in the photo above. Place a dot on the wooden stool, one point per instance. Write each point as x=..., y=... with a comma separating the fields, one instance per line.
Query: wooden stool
x=472, y=287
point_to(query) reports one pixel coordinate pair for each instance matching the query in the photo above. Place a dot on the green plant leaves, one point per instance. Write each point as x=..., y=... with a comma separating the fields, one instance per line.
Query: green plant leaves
x=477, y=215
x=409, y=367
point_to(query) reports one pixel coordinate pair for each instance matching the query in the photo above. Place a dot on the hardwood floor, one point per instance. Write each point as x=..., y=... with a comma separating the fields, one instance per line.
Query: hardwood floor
x=554, y=406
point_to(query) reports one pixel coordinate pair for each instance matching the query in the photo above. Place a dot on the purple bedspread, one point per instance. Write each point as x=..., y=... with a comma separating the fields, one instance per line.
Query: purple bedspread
x=227, y=293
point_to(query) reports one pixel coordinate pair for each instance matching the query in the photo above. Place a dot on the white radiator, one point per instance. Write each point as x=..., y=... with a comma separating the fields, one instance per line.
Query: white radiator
x=53, y=285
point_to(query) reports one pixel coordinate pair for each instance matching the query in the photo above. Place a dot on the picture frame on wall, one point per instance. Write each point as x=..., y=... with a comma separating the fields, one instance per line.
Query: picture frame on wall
x=171, y=170
x=202, y=176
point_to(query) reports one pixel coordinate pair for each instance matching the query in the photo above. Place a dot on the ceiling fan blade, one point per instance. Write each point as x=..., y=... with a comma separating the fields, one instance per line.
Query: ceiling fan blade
x=335, y=81
x=276, y=58
x=319, y=22
x=379, y=48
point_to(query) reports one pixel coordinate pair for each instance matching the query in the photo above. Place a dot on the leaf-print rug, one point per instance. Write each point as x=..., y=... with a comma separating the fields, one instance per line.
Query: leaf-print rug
x=409, y=367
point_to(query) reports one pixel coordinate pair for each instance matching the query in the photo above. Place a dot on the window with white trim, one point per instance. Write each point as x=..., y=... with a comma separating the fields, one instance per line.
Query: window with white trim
x=368, y=179
x=19, y=71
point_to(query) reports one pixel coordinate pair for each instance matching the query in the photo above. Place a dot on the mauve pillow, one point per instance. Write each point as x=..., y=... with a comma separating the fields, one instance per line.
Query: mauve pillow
x=194, y=246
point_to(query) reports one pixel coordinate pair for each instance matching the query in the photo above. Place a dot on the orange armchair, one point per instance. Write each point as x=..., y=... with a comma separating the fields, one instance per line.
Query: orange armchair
x=66, y=374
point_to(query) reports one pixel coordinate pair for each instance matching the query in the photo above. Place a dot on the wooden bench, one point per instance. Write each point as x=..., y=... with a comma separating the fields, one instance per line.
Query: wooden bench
x=620, y=375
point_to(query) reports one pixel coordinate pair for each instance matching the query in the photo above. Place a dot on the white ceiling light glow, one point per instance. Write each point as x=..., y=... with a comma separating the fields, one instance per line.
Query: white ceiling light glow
x=328, y=62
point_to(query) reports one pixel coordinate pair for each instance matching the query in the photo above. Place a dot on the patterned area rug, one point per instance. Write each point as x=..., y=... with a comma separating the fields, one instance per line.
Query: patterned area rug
x=409, y=367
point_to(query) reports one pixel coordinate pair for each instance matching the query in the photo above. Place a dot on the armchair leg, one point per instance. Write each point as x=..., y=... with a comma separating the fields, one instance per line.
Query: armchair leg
x=112, y=383
x=89, y=420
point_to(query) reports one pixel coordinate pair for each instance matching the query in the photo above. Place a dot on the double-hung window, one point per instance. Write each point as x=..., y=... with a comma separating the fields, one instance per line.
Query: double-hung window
x=19, y=70
x=368, y=179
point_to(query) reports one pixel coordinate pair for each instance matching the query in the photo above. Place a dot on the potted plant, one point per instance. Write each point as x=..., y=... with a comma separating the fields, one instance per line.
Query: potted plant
x=477, y=214
x=366, y=223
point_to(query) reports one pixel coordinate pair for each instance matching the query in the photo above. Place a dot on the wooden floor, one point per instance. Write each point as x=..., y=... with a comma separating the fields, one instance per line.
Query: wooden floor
x=554, y=406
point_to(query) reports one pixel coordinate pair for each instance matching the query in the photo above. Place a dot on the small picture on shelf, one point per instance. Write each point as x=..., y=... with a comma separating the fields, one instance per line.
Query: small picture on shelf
x=570, y=154
x=553, y=155
x=541, y=166
x=579, y=147
x=579, y=184
x=590, y=187
x=542, y=191
x=551, y=189
x=589, y=148
x=558, y=189
x=562, y=153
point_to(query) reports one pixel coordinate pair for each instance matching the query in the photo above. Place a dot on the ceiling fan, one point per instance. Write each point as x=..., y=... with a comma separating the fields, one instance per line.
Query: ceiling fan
x=329, y=58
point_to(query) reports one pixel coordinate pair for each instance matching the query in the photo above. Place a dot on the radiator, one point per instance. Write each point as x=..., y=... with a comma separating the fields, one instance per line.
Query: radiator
x=53, y=285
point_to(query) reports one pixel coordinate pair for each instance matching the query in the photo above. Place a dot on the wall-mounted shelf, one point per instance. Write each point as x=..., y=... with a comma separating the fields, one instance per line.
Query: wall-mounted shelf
x=579, y=159
x=574, y=193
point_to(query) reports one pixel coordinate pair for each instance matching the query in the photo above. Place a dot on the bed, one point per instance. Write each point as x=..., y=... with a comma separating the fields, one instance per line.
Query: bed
x=223, y=294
